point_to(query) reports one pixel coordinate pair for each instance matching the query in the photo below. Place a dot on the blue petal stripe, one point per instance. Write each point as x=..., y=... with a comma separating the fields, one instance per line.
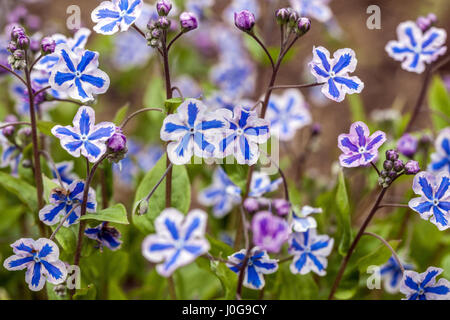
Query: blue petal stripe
x=85, y=60
x=443, y=290
x=253, y=277
x=349, y=83
x=19, y=262
x=95, y=81
x=423, y=207
x=319, y=245
x=300, y=263
x=101, y=133
x=160, y=246
x=52, y=270
x=172, y=228
x=45, y=251
x=443, y=187
x=107, y=14
x=430, y=40
x=81, y=91
x=440, y=216
x=426, y=188
x=74, y=145
x=172, y=260
x=348, y=144
x=85, y=122
x=172, y=127
x=430, y=275
x=374, y=141
x=36, y=275
x=67, y=132
x=92, y=149
x=192, y=114
x=133, y=6
x=324, y=60
x=316, y=261
x=61, y=77
x=69, y=62
x=343, y=62
x=409, y=33
x=194, y=225
x=243, y=119
x=332, y=89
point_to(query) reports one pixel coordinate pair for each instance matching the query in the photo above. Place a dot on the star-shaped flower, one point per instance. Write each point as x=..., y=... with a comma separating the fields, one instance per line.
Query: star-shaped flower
x=262, y=184
x=287, y=113
x=302, y=221
x=85, y=137
x=258, y=264
x=235, y=78
x=440, y=159
x=243, y=135
x=110, y=16
x=223, y=194
x=335, y=72
x=178, y=241
x=105, y=236
x=191, y=130
x=77, y=74
x=310, y=252
x=65, y=171
x=62, y=201
x=317, y=9
x=416, y=48
x=10, y=156
x=392, y=274
x=359, y=147
x=423, y=286
x=434, y=200
x=40, y=258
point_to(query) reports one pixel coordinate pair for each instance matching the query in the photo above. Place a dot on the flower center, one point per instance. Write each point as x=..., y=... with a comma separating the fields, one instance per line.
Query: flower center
x=362, y=149
x=421, y=291
x=179, y=244
x=250, y=262
x=78, y=74
x=84, y=138
x=239, y=132
x=307, y=250
x=332, y=74
x=435, y=202
x=123, y=12
x=192, y=130
x=69, y=202
x=36, y=259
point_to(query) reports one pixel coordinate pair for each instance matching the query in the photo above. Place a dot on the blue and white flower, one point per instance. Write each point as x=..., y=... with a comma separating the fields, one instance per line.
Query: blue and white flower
x=235, y=78
x=258, y=264
x=423, y=286
x=110, y=16
x=130, y=51
x=65, y=171
x=440, y=159
x=10, y=156
x=416, y=48
x=105, y=236
x=77, y=74
x=223, y=194
x=310, y=252
x=434, y=200
x=244, y=132
x=317, y=9
x=40, y=258
x=287, y=113
x=302, y=221
x=188, y=87
x=261, y=184
x=76, y=43
x=63, y=201
x=335, y=72
x=392, y=274
x=192, y=130
x=85, y=137
x=178, y=241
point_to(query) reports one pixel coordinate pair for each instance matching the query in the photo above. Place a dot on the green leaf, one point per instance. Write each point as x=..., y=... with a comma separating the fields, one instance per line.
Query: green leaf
x=66, y=238
x=356, y=108
x=291, y=286
x=24, y=191
x=219, y=248
x=49, y=185
x=343, y=214
x=378, y=257
x=116, y=214
x=439, y=101
x=121, y=114
x=181, y=194
x=88, y=293
x=46, y=127
x=237, y=174
x=172, y=104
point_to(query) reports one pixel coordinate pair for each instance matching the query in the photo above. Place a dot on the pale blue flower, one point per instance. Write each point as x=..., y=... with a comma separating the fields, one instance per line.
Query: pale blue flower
x=440, y=159
x=110, y=16
x=258, y=264
x=178, y=241
x=85, y=137
x=415, y=48
x=302, y=221
x=261, y=184
x=235, y=79
x=223, y=194
x=77, y=74
x=287, y=113
x=105, y=236
x=392, y=274
x=40, y=258
x=310, y=252
x=434, y=200
x=10, y=156
x=317, y=9
x=335, y=72
x=63, y=201
x=65, y=171
x=423, y=286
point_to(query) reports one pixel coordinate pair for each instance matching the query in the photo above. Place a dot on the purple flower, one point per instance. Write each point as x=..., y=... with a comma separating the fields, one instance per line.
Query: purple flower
x=163, y=7
x=244, y=20
x=105, y=236
x=40, y=258
x=118, y=141
x=412, y=167
x=423, y=286
x=188, y=21
x=407, y=145
x=251, y=204
x=48, y=45
x=359, y=147
x=434, y=200
x=424, y=23
x=269, y=232
x=282, y=206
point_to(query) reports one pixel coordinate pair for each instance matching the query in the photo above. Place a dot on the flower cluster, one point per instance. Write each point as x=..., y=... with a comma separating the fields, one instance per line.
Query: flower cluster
x=20, y=42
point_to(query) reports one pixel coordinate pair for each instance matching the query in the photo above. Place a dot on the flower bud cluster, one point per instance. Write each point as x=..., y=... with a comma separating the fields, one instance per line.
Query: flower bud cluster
x=393, y=167
x=290, y=19
x=19, y=43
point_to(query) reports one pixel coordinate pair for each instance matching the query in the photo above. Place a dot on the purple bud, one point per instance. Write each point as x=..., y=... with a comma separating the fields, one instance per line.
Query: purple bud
x=316, y=129
x=12, y=47
x=407, y=145
x=16, y=32
x=9, y=131
x=412, y=167
x=156, y=33
x=118, y=141
x=48, y=45
x=391, y=155
x=19, y=54
x=424, y=23
x=282, y=15
x=188, y=21
x=23, y=42
x=163, y=7
x=388, y=165
x=163, y=22
x=304, y=24
x=293, y=18
x=251, y=204
x=281, y=206
x=244, y=20
x=398, y=165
